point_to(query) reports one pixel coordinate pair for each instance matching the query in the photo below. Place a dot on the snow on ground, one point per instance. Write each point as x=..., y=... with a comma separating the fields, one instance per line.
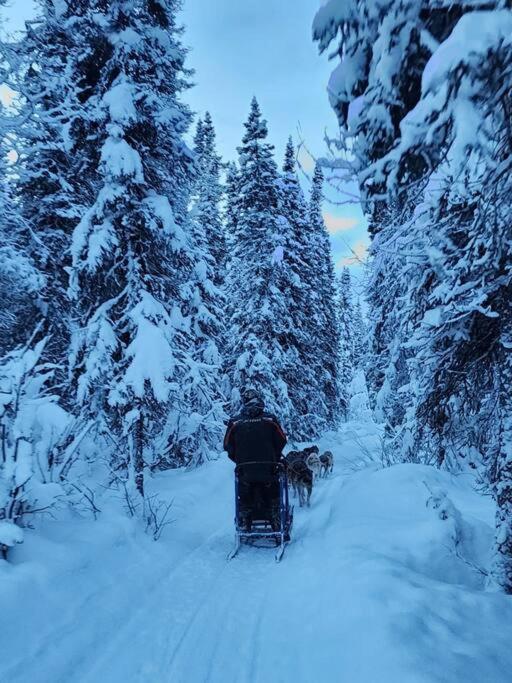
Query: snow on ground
x=382, y=582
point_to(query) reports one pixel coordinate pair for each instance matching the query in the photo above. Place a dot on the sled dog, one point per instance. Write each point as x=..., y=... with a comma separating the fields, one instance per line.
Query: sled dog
x=326, y=463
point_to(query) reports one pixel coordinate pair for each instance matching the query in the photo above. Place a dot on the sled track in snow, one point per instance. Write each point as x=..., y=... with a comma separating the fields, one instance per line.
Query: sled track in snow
x=194, y=617
x=208, y=600
x=47, y=654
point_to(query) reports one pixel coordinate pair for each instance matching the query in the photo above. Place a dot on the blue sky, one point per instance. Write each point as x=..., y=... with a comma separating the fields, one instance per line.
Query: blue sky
x=241, y=48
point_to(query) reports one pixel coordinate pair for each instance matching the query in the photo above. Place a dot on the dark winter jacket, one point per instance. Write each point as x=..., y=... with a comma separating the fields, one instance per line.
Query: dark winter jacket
x=254, y=436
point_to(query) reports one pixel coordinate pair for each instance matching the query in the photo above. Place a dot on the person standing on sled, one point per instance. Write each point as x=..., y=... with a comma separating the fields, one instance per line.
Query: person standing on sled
x=255, y=436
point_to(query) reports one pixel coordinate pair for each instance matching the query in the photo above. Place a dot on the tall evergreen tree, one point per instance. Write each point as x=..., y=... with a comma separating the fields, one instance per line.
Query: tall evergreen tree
x=432, y=148
x=34, y=429
x=309, y=404
x=402, y=35
x=346, y=338
x=20, y=281
x=49, y=192
x=208, y=300
x=199, y=142
x=209, y=193
x=232, y=193
x=131, y=249
x=360, y=337
x=230, y=216
x=261, y=323
x=327, y=340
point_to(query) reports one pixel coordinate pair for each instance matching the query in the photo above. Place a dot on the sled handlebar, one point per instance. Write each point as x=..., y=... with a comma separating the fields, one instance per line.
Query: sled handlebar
x=279, y=466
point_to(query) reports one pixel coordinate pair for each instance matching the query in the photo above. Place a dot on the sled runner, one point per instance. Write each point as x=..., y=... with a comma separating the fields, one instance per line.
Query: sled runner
x=263, y=516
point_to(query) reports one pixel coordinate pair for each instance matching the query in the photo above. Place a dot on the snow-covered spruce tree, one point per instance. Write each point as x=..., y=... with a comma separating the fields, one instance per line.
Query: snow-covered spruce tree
x=49, y=191
x=199, y=140
x=131, y=251
x=449, y=168
x=20, y=281
x=386, y=366
x=206, y=307
x=232, y=199
x=37, y=444
x=259, y=335
x=360, y=338
x=383, y=48
x=208, y=192
x=230, y=218
x=309, y=416
x=326, y=337
x=458, y=314
x=210, y=235
x=346, y=339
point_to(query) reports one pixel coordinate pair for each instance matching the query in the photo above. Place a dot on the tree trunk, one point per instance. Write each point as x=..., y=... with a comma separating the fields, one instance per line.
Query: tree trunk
x=138, y=454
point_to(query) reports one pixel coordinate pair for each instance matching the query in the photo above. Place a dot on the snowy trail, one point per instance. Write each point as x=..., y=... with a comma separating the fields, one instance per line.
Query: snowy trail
x=358, y=597
x=214, y=620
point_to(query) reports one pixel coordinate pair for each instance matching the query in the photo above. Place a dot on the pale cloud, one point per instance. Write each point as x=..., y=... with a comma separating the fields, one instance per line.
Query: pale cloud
x=358, y=255
x=6, y=95
x=336, y=224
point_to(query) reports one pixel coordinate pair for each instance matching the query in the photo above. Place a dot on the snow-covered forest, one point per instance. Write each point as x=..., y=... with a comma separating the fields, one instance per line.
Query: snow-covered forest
x=146, y=282
x=422, y=95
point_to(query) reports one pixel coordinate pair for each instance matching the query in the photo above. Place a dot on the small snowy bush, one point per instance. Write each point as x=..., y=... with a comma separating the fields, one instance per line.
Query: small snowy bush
x=35, y=443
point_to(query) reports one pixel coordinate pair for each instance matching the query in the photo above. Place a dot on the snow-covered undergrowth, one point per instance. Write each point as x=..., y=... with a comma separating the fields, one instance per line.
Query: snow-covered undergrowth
x=384, y=580
x=38, y=440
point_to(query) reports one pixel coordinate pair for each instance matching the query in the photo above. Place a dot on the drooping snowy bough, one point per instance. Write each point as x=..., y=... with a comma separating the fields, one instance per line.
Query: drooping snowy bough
x=424, y=95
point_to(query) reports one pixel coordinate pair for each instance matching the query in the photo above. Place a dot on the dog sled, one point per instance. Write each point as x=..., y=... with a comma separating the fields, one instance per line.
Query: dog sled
x=263, y=516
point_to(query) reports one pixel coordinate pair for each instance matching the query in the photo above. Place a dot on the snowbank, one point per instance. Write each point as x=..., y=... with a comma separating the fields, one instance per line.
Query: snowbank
x=10, y=534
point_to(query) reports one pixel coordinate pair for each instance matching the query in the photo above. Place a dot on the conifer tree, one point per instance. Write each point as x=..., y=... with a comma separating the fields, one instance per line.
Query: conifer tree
x=432, y=151
x=208, y=299
x=260, y=325
x=230, y=220
x=49, y=191
x=131, y=249
x=360, y=332
x=231, y=213
x=309, y=404
x=20, y=281
x=393, y=33
x=34, y=429
x=327, y=337
x=199, y=143
x=232, y=190
x=209, y=193
x=346, y=338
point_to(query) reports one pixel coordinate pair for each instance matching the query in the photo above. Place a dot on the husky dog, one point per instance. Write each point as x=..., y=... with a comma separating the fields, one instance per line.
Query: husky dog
x=301, y=479
x=326, y=463
x=314, y=464
x=304, y=482
x=292, y=456
x=289, y=460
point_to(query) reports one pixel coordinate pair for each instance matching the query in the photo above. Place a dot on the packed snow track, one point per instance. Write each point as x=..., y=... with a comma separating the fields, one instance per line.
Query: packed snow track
x=367, y=591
